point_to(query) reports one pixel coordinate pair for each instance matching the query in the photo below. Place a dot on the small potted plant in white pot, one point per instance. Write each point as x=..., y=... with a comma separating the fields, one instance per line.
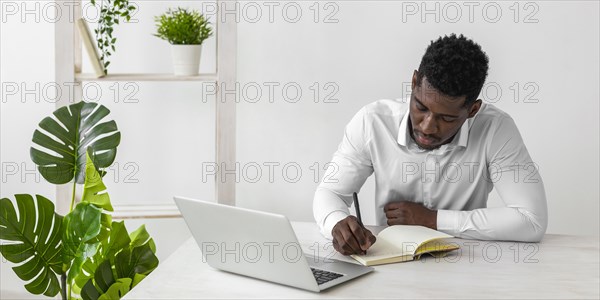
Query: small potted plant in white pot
x=185, y=30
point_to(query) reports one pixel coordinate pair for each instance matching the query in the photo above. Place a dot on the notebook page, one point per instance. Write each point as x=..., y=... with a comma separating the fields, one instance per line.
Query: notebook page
x=409, y=237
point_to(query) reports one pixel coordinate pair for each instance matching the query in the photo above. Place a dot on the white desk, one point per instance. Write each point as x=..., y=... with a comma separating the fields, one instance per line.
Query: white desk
x=559, y=267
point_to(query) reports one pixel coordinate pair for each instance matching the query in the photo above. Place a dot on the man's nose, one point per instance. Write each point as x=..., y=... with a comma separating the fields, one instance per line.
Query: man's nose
x=429, y=125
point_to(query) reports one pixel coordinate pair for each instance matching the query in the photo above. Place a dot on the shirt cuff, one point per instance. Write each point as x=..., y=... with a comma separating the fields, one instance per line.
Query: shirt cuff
x=447, y=221
x=330, y=221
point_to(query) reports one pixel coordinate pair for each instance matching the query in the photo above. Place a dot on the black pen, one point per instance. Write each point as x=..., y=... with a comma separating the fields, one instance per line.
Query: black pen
x=357, y=207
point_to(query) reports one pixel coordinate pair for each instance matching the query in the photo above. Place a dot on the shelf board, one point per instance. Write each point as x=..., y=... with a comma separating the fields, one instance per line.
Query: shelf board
x=144, y=77
x=160, y=211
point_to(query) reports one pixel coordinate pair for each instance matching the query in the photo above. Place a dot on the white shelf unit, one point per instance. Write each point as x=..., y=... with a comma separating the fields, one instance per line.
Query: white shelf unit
x=68, y=59
x=80, y=77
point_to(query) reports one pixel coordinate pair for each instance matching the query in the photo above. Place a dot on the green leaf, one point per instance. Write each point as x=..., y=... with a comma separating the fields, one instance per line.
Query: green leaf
x=140, y=260
x=117, y=290
x=119, y=239
x=106, y=286
x=80, y=226
x=137, y=278
x=121, y=261
x=105, y=223
x=94, y=190
x=139, y=237
x=66, y=137
x=116, y=242
x=183, y=27
x=103, y=278
x=35, y=237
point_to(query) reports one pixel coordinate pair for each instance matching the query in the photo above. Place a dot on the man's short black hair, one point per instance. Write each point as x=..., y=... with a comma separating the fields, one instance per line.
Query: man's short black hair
x=455, y=66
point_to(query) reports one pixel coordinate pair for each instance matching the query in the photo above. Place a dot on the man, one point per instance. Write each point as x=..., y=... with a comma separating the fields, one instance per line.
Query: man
x=435, y=160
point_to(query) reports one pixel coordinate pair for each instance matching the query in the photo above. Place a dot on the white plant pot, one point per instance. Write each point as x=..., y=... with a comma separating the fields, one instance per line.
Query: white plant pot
x=186, y=59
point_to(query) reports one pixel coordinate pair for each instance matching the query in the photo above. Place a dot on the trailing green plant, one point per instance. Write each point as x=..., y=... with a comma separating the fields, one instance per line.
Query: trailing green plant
x=183, y=27
x=83, y=254
x=111, y=12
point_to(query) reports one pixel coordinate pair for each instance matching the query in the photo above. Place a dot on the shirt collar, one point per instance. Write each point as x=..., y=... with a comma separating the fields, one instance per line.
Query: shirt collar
x=403, y=134
x=460, y=139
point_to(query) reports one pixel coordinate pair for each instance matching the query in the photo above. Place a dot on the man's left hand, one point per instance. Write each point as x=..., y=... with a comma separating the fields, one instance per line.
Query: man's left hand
x=410, y=213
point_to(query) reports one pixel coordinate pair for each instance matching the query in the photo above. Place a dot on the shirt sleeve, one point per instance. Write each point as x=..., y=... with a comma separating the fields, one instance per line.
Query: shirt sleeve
x=347, y=172
x=518, y=182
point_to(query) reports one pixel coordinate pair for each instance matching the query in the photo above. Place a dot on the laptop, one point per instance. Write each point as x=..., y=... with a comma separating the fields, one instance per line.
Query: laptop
x=260, y=245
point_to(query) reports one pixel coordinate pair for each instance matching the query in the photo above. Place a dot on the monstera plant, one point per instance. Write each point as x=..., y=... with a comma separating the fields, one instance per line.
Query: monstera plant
x=84, y=254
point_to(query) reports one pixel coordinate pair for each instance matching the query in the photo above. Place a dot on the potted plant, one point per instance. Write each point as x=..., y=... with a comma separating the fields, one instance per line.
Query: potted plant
x=111, y=11
x=185, y=30
x=83, y=254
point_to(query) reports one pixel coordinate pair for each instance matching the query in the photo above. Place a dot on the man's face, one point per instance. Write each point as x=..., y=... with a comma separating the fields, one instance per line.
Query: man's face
x=434, y=117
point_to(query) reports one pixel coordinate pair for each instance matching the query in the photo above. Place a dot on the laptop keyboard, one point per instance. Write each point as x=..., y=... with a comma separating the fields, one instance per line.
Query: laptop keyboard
x=324, y=276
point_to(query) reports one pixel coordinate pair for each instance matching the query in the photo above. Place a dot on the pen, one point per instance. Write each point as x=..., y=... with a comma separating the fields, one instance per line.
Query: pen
x=357, y=207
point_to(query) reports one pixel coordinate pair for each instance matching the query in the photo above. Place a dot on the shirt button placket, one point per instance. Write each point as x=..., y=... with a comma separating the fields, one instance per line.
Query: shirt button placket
x=430, y=176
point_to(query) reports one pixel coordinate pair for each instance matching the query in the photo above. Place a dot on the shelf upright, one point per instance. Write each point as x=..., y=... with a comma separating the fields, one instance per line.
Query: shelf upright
x=68, y=73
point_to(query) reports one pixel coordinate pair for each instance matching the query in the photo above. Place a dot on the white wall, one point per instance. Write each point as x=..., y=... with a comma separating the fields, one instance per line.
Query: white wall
x=371, y=53
x=368, y=54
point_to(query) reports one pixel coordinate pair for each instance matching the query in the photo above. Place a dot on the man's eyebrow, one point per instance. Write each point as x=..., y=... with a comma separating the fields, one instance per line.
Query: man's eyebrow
x=443, y=115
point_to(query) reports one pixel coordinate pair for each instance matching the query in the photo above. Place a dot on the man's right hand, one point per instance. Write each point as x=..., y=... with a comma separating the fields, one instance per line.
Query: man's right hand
x=349, y=237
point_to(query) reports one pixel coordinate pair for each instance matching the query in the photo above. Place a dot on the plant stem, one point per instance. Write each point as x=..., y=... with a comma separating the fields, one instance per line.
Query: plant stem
x=63, y=283
x=73, y=195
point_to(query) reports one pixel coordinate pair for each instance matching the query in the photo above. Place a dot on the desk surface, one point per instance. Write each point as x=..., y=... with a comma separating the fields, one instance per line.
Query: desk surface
x=560, y=266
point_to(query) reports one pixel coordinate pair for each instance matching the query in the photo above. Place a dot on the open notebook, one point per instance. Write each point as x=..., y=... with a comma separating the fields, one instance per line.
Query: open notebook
x=400, y=243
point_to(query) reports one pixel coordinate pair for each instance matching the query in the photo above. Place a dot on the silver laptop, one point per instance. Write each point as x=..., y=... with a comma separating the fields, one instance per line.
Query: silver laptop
x=260, y=245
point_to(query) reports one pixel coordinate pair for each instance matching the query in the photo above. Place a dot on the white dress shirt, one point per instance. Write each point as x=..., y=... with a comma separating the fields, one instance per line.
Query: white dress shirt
x=455, y=179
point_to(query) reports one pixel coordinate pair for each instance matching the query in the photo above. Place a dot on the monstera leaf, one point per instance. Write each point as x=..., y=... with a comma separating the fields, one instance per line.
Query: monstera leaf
x=87, y=227
x=141, y=237
x=34, y=242
x=105, y=285
x=117, y=241
x=119, y=264
x=94, y=190
x=80, y=227
x=138, y=260
x=66, y=138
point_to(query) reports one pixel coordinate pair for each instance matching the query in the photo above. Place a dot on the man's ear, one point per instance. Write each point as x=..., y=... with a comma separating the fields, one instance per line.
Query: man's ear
x=474, y=108
x=414, y=80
